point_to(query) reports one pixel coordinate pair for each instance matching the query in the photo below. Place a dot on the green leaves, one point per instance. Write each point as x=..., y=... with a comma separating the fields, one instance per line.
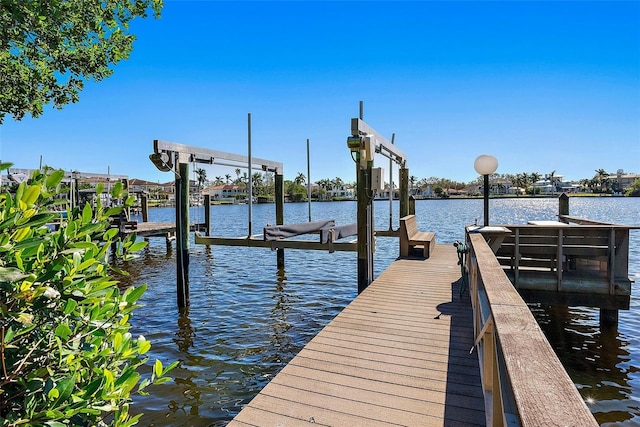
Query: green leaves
x=56, y=46
x=70, y=358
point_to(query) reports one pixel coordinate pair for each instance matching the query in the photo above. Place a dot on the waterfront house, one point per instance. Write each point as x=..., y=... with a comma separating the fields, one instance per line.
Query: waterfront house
x=225, y=192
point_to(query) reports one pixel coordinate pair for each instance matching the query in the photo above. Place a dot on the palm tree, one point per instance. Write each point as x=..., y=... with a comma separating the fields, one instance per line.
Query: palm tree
x=227, y=178
x=552, y=181
x=338, y=183
x=519, y=182
x=257, y=183
x=533, y=178
x=324, y=184
x=201, y=177
x=586, y=184
x=412, y=183
x=602, y=178
x=218, y=181
x=300, y=179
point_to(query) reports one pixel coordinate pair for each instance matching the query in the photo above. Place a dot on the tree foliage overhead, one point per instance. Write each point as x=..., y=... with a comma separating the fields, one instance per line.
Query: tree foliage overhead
x=48, y=49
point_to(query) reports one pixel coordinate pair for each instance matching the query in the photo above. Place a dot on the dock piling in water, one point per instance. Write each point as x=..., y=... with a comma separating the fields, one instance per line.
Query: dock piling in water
x=182, y=235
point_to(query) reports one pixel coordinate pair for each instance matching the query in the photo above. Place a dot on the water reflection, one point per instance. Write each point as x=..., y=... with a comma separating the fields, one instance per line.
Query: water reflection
x=280, y=340
x=597, y=360
x=185, y=333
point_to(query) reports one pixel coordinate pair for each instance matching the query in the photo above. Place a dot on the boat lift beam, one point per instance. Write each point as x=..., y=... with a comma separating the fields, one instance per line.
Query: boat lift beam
x=257, y=241
x=382, y=146
x=208, y=156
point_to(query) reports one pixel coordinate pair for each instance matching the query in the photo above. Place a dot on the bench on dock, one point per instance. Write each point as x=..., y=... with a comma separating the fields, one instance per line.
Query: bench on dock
x=411, y=237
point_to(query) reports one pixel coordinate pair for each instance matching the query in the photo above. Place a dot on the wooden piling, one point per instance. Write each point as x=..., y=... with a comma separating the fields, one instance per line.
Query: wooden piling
x=608, y=318
x=412, y=205
x=182, y=235
x=144, y=205
x=207, y=214
x=365, y=227
x=279, y=187
x=563, y=204
x=404, y=192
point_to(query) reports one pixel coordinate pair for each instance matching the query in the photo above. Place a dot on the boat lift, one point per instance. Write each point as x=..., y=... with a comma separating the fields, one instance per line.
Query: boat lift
x=363, y=144
x=175, y=157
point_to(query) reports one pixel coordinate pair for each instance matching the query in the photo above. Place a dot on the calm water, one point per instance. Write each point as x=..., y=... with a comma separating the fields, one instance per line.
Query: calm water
x=247, y=319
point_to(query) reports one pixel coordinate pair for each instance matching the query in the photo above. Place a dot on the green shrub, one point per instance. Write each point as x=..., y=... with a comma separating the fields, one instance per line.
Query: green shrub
x=67, y=357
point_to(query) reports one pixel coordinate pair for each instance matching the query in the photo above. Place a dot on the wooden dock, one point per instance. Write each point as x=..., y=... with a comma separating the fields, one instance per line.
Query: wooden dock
x=397, y=355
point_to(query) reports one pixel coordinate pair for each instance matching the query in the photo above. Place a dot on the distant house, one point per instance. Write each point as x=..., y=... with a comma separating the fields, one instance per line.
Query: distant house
x=225, y=192
x=456, y=192
x=516, y=190
x=342, y=193
x=496, y=186
x=555, y=185
x=137, y=186
x=624, y=180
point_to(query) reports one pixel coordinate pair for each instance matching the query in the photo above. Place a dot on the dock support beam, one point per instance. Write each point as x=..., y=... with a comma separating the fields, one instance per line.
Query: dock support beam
x=279, y=184
x=404, y=192
x=182, y=235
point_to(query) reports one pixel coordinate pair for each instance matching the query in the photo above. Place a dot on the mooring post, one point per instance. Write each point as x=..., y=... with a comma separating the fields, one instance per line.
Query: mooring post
x=279, y=184
x=412, y=205
x=144, y=205
x=182, y=234
x=563, y=206
x=404, y=192
x=207, y=214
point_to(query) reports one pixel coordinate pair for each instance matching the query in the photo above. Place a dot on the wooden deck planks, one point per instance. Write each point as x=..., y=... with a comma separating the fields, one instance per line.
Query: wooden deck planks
x=397, y=355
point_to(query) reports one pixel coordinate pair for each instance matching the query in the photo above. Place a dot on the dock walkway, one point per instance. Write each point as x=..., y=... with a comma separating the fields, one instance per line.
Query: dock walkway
x=397, y=355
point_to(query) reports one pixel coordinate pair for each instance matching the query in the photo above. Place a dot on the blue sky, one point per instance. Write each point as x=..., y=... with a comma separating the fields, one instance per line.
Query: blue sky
x=543, y=86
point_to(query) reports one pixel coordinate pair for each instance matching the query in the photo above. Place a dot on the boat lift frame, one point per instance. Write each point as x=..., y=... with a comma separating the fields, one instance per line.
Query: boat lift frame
x=175, y=157
x=364, y=142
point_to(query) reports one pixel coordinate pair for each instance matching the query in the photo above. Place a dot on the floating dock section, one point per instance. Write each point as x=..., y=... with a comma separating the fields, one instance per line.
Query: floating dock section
x=397, y=355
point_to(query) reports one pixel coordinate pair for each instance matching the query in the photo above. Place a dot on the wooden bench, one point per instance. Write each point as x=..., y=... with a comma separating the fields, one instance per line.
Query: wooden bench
x=411, y=238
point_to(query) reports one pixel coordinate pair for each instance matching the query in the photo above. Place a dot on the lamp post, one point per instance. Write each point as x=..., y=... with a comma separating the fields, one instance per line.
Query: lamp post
x=485, y=165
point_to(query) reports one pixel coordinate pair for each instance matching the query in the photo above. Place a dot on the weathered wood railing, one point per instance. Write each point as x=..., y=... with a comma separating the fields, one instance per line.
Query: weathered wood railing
x=562, y=248
x=524, y=382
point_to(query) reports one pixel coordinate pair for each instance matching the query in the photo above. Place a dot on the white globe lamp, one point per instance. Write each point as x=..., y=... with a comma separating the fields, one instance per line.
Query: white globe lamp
x=485, y=165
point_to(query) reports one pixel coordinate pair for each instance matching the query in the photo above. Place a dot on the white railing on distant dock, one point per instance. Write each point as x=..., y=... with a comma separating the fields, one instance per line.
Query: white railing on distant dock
x=523, y=380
